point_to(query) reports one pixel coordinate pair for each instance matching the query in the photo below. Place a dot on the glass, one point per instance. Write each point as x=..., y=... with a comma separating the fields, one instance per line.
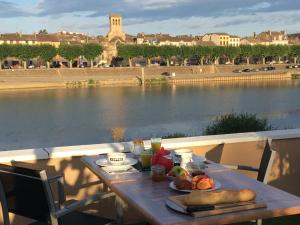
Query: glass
x=138, y=147
x=158, y=173
x=145, y=159
x=155, y=144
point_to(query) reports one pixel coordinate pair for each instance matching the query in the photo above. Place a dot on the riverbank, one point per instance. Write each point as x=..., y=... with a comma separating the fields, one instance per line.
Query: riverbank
x=60, y=78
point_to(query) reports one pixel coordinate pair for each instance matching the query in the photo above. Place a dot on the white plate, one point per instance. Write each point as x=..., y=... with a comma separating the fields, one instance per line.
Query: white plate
x=127, y=162
x=217, y=186
x=114, y=169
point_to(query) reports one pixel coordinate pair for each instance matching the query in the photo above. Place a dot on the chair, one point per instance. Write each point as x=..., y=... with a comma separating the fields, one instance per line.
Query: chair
x=264, y=169
x=27, y=192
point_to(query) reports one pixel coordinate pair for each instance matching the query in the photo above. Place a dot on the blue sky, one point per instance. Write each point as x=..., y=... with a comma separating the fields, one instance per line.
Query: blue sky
x=241, y=17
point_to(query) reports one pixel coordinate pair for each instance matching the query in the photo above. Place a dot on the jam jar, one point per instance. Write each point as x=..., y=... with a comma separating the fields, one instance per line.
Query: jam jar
x=158, y=173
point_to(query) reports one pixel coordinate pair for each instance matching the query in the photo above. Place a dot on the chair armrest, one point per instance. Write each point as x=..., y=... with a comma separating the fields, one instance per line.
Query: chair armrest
x=59, y=179
x=241, y=167
x=81, y=203
x=55, y=178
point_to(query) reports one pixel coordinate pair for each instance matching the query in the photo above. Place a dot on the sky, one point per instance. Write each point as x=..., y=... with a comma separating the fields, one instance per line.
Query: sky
x=176, y=17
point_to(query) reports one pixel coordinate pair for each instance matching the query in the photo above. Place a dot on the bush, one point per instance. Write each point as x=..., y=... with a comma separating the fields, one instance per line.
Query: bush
x=237, y=123
x=175, y=135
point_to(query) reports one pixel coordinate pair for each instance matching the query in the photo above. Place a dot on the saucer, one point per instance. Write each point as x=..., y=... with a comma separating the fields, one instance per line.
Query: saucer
x=127, y=162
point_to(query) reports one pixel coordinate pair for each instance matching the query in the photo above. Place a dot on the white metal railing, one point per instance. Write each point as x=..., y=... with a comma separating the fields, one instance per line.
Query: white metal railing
x=80, y=150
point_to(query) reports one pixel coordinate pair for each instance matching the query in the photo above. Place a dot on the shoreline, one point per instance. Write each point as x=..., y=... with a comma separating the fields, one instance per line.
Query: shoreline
x=100, y=77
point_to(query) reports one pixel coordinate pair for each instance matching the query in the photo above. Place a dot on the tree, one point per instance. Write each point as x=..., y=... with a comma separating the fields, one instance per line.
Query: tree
x=202, y=52
x=70, y=52
x=167, y=51
x=91, y=51
x=217, y=52
x=43, y=31
x=47, y=52
x=25, y=53
x=186, y=53
x=261, y=51
x=295, y=52
x=232, y=52
x=247, y=52
x=4, y=53
x=128, y=52
x=149, y=51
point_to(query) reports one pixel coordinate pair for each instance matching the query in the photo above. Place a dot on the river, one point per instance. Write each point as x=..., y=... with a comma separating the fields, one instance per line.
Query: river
x=59, y=117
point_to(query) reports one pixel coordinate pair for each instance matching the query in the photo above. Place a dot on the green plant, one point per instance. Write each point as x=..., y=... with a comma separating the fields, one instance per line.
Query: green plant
x=175, y=135
x=91, y=82
x=237, y=123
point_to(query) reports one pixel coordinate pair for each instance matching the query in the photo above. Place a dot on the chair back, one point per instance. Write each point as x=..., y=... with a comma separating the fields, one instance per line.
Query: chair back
x=266, y=163
x=24, y=191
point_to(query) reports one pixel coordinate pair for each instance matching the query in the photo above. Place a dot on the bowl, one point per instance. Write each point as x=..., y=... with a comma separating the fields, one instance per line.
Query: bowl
x=116, y=158
x=184, y=154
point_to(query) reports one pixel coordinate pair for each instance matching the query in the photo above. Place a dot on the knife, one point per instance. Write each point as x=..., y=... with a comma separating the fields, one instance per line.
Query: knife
x=198, y=208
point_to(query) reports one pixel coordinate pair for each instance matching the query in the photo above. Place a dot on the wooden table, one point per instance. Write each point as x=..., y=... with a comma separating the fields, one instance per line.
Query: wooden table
x=149, y=197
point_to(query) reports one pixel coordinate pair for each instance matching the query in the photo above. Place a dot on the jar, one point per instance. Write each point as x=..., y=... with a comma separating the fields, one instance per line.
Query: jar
x=158, y=173
x=138, y=147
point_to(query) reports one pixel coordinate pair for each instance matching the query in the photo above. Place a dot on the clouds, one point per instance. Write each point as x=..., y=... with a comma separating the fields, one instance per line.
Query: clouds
x=138, y=15
x=156, y=10
x=10, y=9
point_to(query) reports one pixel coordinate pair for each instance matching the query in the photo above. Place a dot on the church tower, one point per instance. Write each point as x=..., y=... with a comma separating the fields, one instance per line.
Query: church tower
x=115, y=27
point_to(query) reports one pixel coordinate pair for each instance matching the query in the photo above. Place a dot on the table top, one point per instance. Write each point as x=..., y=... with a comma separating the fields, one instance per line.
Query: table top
x=149, y=197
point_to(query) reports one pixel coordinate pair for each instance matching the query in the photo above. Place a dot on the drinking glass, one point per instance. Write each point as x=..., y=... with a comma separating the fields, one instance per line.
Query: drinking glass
x=155, y=144
x=145, y=159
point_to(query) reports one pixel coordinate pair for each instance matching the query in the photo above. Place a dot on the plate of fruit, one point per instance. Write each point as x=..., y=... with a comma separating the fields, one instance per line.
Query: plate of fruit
x=199, y=182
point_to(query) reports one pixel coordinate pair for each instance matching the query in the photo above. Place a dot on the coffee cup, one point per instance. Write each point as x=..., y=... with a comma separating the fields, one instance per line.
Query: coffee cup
x=116, y=158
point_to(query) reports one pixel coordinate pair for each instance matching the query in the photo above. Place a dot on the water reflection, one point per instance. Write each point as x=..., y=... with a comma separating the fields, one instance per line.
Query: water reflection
x=83, y=116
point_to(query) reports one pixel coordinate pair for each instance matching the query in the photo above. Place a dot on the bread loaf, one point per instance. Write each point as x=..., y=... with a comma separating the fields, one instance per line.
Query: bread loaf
x=219, y=197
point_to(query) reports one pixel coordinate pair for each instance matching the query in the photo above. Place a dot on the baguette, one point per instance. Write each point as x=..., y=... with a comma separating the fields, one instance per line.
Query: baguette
x=219, y=197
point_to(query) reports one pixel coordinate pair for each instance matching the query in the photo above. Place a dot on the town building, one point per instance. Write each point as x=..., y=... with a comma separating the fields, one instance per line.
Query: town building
x=267, y=38
x=222, y=39
x=116, y=28
x=30, y=39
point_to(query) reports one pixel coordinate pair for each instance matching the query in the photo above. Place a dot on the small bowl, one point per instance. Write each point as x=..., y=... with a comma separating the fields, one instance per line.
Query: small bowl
x=180, y=152
x=116, y=158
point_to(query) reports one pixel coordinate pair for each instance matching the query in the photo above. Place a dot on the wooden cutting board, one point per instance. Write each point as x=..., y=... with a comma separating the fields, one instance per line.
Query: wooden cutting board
x=176, y=203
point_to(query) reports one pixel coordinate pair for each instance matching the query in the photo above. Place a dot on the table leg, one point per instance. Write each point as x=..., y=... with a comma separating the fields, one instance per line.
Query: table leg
x=120, y=213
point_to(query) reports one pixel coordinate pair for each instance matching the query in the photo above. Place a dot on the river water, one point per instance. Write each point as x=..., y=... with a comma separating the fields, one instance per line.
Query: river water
x=58, y=117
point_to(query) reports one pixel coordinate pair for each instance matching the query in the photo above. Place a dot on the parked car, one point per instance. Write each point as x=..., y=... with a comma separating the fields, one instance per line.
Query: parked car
x=167, y=74
x=6, y=67
x=296, y=66
x=246, y=70
x=289, y=66
x=237, y=71
x=263, y=69
x=271, y=68
x=30, y=67
x=255, y=70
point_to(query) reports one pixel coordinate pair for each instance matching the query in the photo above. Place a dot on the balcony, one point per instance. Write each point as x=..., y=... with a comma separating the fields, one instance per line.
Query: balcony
x=243, y=149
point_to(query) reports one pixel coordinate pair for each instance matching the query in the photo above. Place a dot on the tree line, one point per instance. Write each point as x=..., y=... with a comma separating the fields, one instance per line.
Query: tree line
x=211, y=53
x=47, y=52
